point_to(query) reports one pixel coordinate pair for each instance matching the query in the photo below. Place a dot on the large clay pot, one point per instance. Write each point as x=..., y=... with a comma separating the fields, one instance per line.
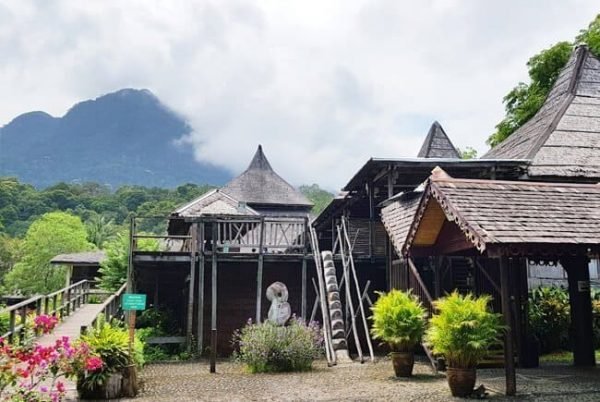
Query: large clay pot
x=461, y=381
x=403, y=363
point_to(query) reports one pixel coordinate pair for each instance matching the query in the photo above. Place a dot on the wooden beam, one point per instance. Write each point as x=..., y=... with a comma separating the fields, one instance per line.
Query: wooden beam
x=259, y=271
x=578, y=276
x=190, y=307
x=200, y=329
x=509, y=353
x=213, y=318
x=371, y=191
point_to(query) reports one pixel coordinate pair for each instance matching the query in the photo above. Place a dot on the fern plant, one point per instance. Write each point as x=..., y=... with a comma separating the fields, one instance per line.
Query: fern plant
x=398, y=320
x=463, y=329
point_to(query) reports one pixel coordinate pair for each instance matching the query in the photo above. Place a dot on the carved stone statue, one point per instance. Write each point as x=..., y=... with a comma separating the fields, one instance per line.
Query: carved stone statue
x=280, y=310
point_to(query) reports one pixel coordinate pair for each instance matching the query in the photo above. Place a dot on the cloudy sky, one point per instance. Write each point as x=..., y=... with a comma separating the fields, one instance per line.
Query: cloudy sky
x=323, y=85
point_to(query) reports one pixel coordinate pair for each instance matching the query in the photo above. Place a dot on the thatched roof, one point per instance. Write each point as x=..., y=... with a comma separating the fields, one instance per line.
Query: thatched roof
x=260, y=185
x=85, y=258
x=215, y=202
x=437, y=144
x=398, y=216
x=507, y=213
x=563, y=138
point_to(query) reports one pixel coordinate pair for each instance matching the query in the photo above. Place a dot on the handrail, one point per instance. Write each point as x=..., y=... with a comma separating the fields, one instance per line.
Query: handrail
x=71, y=298
x=110, y=308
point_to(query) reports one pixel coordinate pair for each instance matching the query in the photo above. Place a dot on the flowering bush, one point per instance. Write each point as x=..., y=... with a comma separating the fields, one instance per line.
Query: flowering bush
x=267, y=347
x=45, y=323
x=32, y=372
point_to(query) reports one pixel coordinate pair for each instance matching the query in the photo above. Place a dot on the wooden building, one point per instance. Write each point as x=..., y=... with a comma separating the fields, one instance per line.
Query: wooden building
x=533, y=188
x=80, y=266
x=223, y=250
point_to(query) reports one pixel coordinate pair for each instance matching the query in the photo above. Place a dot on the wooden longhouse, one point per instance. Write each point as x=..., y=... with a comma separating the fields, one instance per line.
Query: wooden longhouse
x=475, y=225
x=223, y=250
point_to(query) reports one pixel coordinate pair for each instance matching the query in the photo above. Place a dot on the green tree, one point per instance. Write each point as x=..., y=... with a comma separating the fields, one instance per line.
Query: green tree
x=99, y=229
x=317, y=196
x=467, y=153
x=52, y=234
x=10, y=252
x=524, y=100
x=113, y=270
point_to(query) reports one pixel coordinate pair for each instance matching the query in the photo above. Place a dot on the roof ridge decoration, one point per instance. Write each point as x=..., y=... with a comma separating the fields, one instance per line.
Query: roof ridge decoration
x=259, y=184
x=563, y=138
x=437, y=144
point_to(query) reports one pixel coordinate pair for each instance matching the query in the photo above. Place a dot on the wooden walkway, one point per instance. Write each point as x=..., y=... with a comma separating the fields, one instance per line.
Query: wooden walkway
x=71, y=325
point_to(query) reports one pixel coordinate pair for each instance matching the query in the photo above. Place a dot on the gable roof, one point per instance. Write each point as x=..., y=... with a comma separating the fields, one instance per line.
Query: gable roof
x=437, y=144
x=215, y=202
x=259, y=184
x=84, y=258
x=563, y=138
x=398, y=215
x=495, y=212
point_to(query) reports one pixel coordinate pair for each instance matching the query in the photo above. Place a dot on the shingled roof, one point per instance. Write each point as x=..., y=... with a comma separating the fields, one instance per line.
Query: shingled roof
x=214, y=202
x=260, y=185
x=84, y=258
x=398, y=216
x=494, y=212
x=437, y=144
x=563, y=138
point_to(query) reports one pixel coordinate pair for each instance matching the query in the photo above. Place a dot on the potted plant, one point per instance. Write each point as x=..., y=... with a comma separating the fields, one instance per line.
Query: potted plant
x=111, y=343
x=399, y=320
x=463, y=330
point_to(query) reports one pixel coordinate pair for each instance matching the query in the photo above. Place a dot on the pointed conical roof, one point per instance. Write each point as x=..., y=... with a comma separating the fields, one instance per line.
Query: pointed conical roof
x=259, y=184
x=563, y=138
x=437, y=144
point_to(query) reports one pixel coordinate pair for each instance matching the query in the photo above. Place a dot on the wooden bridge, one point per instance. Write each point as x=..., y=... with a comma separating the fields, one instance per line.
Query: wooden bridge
x=72, y=305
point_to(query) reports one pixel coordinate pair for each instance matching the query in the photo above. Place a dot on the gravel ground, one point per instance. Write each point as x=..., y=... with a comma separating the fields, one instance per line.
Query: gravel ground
x=191, y=381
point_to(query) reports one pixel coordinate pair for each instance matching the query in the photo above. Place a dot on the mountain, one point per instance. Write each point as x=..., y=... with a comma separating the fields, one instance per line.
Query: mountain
x=125, y=137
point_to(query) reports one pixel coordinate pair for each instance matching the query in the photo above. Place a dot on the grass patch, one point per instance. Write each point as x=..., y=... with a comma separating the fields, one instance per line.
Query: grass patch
x=562, y=356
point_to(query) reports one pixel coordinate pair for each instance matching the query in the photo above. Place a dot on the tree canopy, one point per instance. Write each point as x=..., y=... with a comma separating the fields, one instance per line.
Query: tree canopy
x=52, y=234
x=525, y=99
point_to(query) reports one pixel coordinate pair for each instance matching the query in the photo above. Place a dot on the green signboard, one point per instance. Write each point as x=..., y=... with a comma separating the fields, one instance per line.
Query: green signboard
x=134, y=301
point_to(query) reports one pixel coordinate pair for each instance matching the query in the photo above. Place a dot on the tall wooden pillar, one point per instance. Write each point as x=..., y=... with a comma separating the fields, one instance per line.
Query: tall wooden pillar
x=200, y=320
x=509, y=351
x=259, y=271
x=371, y=192
x=213, y=318
x=578, y=275
x=190, y=307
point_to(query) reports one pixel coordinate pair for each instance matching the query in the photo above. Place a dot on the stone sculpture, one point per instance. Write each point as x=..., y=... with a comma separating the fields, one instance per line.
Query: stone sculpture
x=280, y=310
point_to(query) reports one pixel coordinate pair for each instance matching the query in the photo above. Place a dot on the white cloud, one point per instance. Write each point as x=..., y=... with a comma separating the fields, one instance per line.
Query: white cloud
x=322, y=85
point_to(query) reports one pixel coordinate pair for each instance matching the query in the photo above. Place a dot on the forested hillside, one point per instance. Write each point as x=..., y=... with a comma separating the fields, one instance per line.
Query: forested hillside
x=125, y=137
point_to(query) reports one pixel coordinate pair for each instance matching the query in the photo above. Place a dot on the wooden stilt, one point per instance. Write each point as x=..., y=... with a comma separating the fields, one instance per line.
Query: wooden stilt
x=259, y=271
x=213, y=318
x=304, y=290
x=200, y=329
x=509, y=353
x=190, y=307
x=578, y=275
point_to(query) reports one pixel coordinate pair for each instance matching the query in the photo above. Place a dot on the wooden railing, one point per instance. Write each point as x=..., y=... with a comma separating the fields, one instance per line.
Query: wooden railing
x=111, y=308
x=269, y=234
x=61, y=304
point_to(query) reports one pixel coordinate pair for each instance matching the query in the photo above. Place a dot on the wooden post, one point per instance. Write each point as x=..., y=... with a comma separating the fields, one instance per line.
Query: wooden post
x=371, y=219
x=509, y=353
x=578, y=275
x=390, y=246
x=130, y=260
x=200, y=329
x=213, y=318
x=259, y=270
x=303, y=306
x=190, y=312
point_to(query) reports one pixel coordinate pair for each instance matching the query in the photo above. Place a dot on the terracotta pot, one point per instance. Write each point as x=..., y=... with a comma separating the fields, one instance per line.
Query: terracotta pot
x=111, y=389
x=403, y=363
x=461, y=381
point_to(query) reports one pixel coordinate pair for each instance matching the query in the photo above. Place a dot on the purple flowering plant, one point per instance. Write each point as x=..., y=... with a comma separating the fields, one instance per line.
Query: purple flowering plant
x=267, y=347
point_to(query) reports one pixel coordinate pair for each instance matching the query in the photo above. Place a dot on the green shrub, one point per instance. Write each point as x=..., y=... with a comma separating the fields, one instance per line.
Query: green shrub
x=463, y=329
x=399, y=320
x=549, y=317
x=267, y=347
